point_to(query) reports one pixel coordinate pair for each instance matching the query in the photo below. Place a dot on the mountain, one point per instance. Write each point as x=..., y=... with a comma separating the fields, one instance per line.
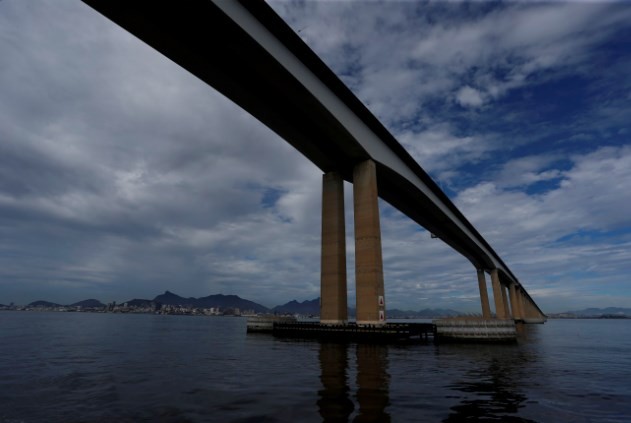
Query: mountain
x=170, y=298
x=230, y=301
x=91, y=303
x=136, y=302
x=313, y=307
x=294, y=307
x=597, y=312
x=42, y=303
x=218, y=300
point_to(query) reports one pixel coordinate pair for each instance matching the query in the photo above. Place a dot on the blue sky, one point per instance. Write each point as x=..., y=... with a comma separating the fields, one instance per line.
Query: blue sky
x=122, y=176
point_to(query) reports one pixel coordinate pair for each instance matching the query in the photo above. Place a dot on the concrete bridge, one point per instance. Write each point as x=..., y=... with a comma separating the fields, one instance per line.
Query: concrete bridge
x=244, y=50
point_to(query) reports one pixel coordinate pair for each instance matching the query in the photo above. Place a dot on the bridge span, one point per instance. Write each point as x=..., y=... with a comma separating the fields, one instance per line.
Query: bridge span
x=247, y=52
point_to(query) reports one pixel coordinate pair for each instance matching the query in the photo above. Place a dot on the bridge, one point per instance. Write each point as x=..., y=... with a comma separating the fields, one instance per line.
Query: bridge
x=247, y=52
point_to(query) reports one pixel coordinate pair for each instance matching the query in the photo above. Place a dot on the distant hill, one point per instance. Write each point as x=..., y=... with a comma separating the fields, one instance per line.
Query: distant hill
x=294, y=307
x=91, y=303
x=231, y=301
x=42, y=303
x=597, y=312
x=170, y=298
x=313, y=307
x=308, y=307
x=138, y=302
x=218, y=300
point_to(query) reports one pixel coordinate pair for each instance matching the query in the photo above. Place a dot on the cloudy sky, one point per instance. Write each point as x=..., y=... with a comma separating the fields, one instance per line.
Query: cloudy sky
x=122, y=176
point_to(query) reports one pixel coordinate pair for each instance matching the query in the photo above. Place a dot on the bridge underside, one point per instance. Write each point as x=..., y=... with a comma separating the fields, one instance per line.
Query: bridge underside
x=200, y=36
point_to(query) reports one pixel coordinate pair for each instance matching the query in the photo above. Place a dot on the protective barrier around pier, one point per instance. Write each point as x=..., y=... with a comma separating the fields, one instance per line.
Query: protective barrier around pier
x=476, y=330
x=390, y=332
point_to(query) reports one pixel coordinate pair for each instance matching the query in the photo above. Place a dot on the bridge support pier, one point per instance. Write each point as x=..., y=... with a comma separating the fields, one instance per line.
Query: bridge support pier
x=484, y=295
x=507, y=310
x=531, y=313
x=333, y=303
x=514, y=302
x=522, y=305
x=368, y=261
x=500, y=311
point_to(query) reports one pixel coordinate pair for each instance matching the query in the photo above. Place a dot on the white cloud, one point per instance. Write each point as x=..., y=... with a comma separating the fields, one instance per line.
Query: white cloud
x=592, y=195
x=469, y=97
x=524, y=171
x=442, y=153
x=437, y=47
x=539, y=235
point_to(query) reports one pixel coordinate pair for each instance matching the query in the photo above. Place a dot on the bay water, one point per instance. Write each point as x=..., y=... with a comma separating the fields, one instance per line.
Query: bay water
x=94, y=367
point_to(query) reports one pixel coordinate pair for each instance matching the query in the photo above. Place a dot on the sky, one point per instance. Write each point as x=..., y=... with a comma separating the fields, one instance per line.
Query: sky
x=122, y=175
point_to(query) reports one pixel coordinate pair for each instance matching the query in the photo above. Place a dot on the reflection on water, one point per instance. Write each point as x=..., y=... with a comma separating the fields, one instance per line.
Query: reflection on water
x=496, y=394
x=372, y=383
x=491, y=387
x=334, y=402
x=480, y=383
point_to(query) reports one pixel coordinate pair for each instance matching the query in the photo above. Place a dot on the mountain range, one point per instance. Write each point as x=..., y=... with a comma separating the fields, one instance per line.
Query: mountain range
x=309, y=307
x=294, y=307
x=91, y=303
x=218, y=300
x=597, y=312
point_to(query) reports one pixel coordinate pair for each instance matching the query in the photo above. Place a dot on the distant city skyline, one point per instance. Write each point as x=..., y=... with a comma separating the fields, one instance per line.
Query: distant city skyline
x=122, y=175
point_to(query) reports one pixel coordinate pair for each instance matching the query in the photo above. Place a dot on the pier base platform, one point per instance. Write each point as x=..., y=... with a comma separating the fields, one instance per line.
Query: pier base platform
x=387, y=333
x=476, y=330
x=265, y=323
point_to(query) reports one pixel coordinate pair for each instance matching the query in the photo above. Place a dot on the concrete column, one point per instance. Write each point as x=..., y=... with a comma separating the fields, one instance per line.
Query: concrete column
x=528, y=310
x=532, y=311
x=513, y=301
x=519, y=314
x=505, y=300
x=500, y=311
x=522, y=304
x=368, y=261
x=520, y=300
x=535, y=311
x=484, y=295
x=333, y=302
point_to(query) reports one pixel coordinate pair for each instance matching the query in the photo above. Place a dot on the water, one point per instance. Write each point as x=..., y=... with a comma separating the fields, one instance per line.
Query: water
x=79, y=367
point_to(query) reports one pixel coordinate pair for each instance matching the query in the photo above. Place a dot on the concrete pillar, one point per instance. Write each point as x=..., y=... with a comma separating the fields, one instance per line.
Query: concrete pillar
x=528, y=308
x=505, y=300
x=535, y=311
x=368, y=261
x=522, y=304
x=484, y=295
x=518, y=309
x=520, y=300
x=513, y=301
x=500, y=311
x=532, y=311
x=333, y=302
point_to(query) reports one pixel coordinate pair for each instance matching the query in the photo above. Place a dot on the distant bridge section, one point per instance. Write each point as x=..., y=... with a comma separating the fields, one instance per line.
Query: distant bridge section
x=247, y=52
